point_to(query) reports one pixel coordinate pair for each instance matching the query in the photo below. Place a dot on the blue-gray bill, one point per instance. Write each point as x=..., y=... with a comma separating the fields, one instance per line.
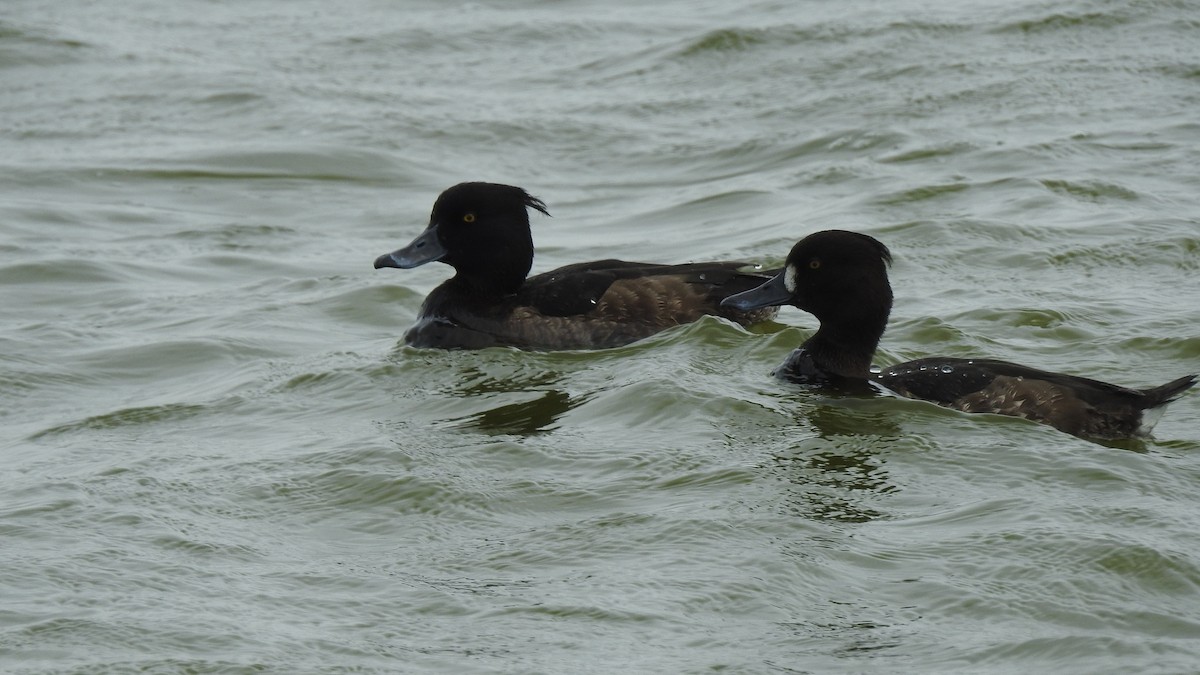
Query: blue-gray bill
x=771, y=294
x=425, y=248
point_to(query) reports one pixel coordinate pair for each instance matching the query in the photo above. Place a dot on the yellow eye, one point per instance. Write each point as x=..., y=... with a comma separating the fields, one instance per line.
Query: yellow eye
x=814, y=264
x=469, y=218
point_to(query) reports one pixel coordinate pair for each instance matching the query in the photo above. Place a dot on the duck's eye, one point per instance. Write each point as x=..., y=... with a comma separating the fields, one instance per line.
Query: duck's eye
x=469, y=218
x=814, y=264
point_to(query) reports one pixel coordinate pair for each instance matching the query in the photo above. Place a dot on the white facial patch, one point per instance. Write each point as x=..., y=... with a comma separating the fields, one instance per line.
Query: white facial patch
x=789, y=278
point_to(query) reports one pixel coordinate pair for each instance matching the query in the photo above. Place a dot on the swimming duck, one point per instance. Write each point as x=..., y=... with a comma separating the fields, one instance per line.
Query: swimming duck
x=841, y=278
x=482, y=231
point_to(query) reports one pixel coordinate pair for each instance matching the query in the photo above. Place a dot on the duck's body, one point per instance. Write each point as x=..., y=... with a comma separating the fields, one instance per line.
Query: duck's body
x=482, y=230
x=1076, y=405
x=841, y=278
x=595, y=305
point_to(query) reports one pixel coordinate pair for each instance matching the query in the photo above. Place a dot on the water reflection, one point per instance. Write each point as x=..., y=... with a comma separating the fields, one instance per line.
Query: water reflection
x=487, y=378
x=852, y=416
x=837, y=473
x=524, y=418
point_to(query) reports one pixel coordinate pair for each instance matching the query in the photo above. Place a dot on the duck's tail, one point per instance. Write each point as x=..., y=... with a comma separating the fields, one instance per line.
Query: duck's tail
x=1157, y=399
x=1164, y=394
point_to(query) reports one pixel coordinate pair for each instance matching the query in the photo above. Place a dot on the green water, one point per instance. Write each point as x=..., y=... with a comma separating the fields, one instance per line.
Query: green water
x=217, y=457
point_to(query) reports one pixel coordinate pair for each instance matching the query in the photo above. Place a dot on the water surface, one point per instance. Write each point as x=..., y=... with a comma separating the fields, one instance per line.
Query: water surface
x=219, y=457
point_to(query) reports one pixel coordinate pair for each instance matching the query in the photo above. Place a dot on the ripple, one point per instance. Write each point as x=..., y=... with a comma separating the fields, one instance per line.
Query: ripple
x=727, y=40
x=1180, y=252
x=924, y=193
x=27, y=47
x=127, y=417
x=62, y=271
x=315, y=164
x=931, y=152
x=1092, y=191
x=1060, y=22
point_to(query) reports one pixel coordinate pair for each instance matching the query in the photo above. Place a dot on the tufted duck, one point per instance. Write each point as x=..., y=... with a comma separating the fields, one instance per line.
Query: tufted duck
x=841, y=278
x=482, y=231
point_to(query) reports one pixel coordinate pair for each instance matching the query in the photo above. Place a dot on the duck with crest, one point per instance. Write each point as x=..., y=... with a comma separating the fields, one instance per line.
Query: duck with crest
x=482, y=231
x=841, y=279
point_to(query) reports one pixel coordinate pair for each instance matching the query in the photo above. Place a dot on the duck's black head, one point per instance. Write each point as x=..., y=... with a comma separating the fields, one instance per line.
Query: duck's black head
x=479, y=229
x=841, y=278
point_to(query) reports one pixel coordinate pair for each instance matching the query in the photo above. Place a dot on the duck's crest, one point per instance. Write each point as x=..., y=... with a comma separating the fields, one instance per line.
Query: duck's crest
x=534, y=203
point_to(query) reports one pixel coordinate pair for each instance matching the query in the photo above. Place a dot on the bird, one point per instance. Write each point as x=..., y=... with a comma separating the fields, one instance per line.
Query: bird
x=482, y=231
x=840, y=277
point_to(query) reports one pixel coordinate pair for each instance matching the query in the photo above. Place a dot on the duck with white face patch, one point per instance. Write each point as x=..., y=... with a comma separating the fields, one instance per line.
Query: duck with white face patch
x=841, y=278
